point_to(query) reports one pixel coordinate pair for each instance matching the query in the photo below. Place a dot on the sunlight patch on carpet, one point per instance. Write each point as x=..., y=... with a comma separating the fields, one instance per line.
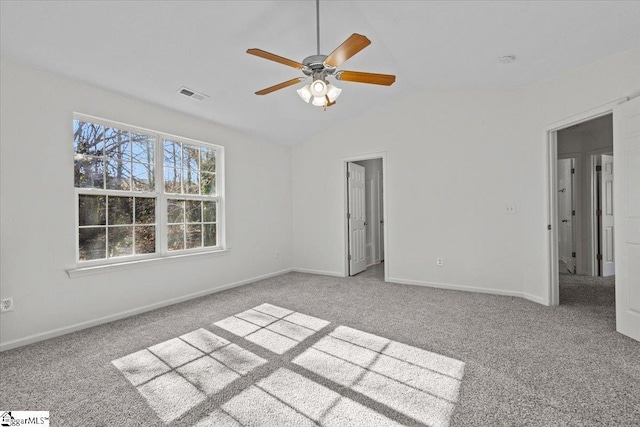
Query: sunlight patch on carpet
x=286, y=398
x=176, y=375
x=273, y=310
x=218, y=419
x=237, y=358
x=391, y=382
x=415, y=382
x=274, y=328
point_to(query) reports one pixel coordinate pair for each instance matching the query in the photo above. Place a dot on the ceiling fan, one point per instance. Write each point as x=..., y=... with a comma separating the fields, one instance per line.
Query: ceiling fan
x=319, y=67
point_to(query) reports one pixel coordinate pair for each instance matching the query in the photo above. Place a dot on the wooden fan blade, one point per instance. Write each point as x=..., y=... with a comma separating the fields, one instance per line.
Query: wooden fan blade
x=273, y=57
x=354, y=44
x=372, y=78
x=280, y=86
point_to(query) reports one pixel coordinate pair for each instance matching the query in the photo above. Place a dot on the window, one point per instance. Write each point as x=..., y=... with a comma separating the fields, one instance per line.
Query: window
x=143, y=194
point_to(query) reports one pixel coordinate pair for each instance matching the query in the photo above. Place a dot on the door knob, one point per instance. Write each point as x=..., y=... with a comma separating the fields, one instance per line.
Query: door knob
x=565, y=220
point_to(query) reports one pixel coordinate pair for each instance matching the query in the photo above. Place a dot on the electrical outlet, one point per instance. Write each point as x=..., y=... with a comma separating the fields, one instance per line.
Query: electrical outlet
x=510, y=209
x=6, y=304
x=440, y=262
x=277, y=254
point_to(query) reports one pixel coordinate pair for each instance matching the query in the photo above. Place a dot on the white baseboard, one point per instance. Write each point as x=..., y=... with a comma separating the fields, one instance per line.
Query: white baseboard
x=468, y=289
x=536, y=299
x=320, y=272
x=128, y=313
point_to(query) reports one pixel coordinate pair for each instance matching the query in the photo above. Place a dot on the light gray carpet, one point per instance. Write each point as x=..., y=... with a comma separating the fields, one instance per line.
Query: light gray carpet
x=233, y=359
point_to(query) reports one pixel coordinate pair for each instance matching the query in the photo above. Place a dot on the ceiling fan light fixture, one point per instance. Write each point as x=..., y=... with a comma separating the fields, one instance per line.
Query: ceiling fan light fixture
x=318, y=67
x=305, y=93
x=318, y=88
x=333, y=92
x=318, y=101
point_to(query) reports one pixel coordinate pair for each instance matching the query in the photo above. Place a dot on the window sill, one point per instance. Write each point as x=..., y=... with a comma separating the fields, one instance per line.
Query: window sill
x=126, y=265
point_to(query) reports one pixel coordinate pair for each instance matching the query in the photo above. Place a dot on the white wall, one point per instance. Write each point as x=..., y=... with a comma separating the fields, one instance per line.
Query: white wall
x=581, y=142
x=455, y=158
x=37, y=209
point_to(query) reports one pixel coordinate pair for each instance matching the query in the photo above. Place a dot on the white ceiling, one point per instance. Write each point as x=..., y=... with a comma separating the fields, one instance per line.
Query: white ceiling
x=150, y=49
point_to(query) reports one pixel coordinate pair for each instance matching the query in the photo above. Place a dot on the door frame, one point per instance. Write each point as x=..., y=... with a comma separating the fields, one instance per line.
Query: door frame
x=345, y=207
x=551, y=189
x=576, y=225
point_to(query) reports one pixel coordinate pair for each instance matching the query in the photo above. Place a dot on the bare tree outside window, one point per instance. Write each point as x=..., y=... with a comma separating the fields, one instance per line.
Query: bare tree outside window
x=189, y=170
x=118, y=196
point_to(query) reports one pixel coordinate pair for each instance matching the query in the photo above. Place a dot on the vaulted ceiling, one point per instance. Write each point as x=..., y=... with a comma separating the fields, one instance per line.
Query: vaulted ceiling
x=150, y=49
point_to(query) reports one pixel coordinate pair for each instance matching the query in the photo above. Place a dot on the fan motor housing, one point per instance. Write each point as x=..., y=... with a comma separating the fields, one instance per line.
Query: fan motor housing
x=314, y=65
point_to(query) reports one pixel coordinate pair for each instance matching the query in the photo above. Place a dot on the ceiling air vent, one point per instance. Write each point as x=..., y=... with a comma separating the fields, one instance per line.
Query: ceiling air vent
x=192, y=94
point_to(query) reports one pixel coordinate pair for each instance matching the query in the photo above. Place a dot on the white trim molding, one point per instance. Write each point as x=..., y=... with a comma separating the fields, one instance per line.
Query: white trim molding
x=128, y=313
x=108, y=268
x=466, y=288
x=318, y=272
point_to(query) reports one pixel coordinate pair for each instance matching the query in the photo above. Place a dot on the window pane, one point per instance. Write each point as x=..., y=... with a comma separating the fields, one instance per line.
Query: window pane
x=92, y=210
x=207, y=159
x=191, y=182
x=210, y=235
x=190, y=157
x=120, y=210
x=120, y=241
x=194, y=236
x=209, y=211
x=109, y=158
x=118, y=175
x=175, y=237
x=142, y=148
x=175, y=211
x=145, y=210
x=88, y=138
x=91, y=243
x=117, y=144
x=172, y=154
x=194, y=213
x=172, y=180
x=207, y=183
x=89, y=172
x=145, y=239
x=142, y=177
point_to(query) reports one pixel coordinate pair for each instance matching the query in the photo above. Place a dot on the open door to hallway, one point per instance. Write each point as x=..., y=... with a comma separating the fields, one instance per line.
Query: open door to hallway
x=365, y=214
x=356, y=218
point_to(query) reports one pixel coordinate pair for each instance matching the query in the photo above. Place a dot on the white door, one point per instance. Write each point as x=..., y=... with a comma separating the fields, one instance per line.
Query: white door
x=626, y=198
x=356, y=217
x=566, y=250
x=606, y=216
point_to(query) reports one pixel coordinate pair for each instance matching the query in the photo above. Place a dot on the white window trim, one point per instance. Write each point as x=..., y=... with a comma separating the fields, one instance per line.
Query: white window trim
x=135, y=263
x=162, y=253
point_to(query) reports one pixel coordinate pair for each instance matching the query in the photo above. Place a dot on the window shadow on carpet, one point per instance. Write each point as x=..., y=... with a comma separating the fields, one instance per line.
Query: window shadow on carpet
x=343, y=377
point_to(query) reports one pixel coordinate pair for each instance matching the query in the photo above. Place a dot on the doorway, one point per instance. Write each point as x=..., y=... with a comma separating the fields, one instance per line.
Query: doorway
x=623, y=202
x=585, y=197
x=365, y=213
